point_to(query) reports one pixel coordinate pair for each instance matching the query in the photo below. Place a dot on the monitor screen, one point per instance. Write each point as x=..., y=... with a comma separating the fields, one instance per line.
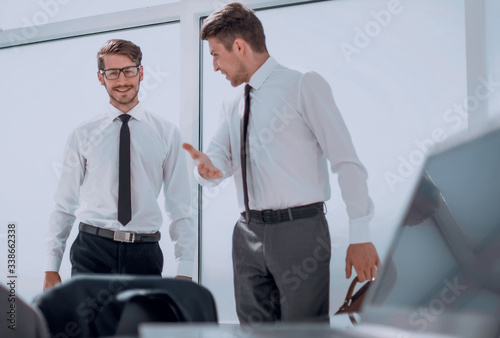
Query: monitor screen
x=444, y=262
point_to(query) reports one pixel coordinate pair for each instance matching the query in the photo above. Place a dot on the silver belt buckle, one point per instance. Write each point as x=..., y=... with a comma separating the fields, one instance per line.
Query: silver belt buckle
x=124, y=236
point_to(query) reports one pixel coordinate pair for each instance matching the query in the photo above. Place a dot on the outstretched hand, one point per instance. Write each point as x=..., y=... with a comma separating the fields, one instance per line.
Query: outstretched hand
x=206, y=169
x=364, y=258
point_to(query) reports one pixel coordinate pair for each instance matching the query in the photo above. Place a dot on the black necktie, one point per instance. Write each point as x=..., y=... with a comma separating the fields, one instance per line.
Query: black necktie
x=124, y=196
x=243, y=150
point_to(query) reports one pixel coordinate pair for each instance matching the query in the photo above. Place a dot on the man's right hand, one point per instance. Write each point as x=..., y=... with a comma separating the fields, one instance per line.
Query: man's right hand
x=206, y=169
x=52, y=278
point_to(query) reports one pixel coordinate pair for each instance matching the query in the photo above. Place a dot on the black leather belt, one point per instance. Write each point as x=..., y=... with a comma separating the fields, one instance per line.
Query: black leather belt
x=119, y=236
x=283, y=215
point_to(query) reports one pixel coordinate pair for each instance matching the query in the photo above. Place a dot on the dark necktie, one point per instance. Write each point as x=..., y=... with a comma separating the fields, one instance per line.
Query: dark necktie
x=243, y=150
x=124, y=195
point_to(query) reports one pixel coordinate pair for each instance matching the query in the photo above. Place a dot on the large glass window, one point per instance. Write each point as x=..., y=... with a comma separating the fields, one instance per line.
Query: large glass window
x=492, y=51
x=397, y=72
x=47, y=90
x=36, y=13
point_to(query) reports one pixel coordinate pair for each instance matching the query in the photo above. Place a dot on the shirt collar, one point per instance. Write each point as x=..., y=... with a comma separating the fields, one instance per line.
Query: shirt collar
x=137, y=112
x=260, y=76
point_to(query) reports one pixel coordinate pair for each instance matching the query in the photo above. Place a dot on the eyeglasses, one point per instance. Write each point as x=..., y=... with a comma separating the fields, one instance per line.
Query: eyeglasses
x=114, y=73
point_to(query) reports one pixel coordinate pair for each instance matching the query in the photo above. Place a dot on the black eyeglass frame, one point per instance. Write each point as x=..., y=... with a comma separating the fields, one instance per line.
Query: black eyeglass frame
x=120, y=70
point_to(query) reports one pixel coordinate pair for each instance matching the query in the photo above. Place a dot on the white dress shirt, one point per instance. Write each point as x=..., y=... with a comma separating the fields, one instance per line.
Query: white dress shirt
x=294, y=128
x=90, y=175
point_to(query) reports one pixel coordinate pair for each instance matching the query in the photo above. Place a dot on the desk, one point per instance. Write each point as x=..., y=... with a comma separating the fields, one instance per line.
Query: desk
x=236, y=331
x=271, y=330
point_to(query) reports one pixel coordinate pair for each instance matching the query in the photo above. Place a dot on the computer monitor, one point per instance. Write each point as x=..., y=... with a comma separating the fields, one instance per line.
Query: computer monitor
x=442, y=272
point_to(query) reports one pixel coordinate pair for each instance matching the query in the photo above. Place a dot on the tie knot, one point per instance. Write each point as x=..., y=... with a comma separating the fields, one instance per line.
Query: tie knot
x=124, y=117
x=247, y=89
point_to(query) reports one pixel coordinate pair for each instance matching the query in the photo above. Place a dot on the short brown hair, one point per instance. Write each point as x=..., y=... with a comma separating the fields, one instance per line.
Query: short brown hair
x=121, y=47
x=235, y=21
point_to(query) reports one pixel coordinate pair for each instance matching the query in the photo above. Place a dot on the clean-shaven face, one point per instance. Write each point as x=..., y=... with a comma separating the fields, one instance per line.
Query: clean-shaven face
x=227, y=62
x=122, y=91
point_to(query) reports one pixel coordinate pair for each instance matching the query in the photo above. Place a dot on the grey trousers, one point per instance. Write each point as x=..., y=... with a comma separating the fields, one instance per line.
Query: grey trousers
x=282, y=270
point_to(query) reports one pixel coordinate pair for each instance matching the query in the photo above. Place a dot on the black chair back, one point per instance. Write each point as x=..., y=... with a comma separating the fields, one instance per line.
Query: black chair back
x=108, y=305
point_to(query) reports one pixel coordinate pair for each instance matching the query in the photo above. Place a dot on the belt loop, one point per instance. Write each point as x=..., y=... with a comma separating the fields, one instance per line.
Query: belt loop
x=290, y=214
x=278, y=215
x=325, y=210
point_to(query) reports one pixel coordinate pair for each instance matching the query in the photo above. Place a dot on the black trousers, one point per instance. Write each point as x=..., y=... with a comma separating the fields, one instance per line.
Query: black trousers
x=94, y=254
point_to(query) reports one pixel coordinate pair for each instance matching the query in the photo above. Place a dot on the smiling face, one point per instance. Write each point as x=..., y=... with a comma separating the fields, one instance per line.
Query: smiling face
x=124, y=90
x=228, y=62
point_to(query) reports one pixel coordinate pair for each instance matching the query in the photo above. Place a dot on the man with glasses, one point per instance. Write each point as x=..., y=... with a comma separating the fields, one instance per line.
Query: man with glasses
x=115, y=166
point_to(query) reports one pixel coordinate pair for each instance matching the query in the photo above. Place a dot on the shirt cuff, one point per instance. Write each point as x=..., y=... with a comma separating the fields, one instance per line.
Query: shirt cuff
x=359, y=233
x=185, y=268
x=359, y=228
x=53, y=263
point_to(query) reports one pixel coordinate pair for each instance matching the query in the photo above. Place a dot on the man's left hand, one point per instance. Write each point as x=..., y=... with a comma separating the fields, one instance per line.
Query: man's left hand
x=183, y=277
x=364, y=258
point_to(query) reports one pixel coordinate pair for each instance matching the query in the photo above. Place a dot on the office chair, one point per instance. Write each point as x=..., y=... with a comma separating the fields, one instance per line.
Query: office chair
x=22, y=320
x=108, y=305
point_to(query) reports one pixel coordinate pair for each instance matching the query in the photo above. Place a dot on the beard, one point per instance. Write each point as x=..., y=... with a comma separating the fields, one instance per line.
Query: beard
x=123, y=98
x=241, y=75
